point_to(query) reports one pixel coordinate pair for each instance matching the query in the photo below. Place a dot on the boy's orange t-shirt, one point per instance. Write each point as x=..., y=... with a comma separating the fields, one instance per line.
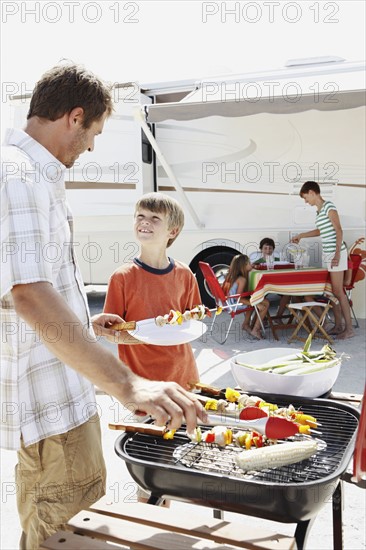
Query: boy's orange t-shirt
x=137, y=292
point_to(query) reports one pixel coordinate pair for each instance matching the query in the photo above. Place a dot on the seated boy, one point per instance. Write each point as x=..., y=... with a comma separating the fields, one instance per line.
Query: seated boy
x=266, y=247
x=151, y=285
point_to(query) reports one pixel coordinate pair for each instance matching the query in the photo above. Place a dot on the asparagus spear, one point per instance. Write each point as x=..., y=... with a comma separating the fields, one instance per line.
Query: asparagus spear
x=300, y=363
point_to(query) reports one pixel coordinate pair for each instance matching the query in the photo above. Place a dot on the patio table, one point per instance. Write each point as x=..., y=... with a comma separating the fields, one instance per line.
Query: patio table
x=291, y=282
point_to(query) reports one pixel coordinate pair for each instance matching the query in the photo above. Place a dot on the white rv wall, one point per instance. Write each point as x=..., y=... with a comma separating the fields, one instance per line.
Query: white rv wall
x=241, y=174
x=243, y=177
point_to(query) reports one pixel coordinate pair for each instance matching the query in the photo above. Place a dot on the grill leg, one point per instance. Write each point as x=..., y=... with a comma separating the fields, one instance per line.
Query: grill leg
x=337, y=504
x=302, y=532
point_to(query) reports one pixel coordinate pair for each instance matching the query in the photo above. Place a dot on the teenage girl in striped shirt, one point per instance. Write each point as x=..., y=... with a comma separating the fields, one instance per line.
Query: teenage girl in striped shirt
x=334, y=253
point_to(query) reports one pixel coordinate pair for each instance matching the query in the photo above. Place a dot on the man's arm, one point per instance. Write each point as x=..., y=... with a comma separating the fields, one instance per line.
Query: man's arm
x=45, y=311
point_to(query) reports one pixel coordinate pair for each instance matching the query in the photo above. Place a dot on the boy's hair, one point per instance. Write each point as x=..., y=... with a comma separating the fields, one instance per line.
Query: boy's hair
x=309, y=186
x=67, y=86
x=267, y=240
x=163, y=204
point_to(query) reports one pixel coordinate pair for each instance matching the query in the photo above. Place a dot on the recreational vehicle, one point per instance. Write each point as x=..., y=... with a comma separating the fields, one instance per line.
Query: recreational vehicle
x=234, y=151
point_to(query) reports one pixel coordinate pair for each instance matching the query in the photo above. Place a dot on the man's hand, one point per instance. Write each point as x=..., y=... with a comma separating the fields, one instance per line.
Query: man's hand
x=40, y=305
x=102, y=323
x=167, y=402
x=295, y=239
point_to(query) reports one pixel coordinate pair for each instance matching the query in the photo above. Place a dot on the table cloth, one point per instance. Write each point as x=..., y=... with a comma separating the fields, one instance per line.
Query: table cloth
x=292, y=282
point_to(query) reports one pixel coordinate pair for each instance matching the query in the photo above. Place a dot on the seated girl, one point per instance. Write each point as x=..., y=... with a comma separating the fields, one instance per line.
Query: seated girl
x=236, y=282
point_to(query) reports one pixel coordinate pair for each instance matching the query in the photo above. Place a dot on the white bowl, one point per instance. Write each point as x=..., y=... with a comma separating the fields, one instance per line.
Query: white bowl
x=313, y=384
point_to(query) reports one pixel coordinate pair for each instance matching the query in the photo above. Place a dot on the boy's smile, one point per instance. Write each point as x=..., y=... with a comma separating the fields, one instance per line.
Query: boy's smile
x=152, y=227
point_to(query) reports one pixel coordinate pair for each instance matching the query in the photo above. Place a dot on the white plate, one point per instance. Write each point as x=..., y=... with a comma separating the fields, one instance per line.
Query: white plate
x=168, y=335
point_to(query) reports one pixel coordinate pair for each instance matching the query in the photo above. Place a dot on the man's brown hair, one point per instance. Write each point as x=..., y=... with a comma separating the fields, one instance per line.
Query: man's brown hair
x=67, y=86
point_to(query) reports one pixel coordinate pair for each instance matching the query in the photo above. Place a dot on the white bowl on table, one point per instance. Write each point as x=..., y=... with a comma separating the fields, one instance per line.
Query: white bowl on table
x=250, y=380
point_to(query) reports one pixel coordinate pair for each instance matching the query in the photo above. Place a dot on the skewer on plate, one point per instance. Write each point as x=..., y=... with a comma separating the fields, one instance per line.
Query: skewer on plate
x=198, y=313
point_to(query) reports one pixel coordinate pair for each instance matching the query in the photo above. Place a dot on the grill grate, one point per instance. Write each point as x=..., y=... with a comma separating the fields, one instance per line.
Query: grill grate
x=338, y=427
x=222, y=461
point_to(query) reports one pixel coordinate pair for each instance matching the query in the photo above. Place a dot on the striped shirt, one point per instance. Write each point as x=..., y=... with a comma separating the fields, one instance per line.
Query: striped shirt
x=41, y=396
x=326, y=228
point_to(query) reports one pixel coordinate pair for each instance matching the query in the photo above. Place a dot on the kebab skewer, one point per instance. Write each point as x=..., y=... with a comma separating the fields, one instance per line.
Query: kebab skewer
x=175, y=317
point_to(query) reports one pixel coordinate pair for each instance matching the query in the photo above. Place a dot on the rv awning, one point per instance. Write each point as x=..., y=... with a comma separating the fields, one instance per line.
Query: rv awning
x=237, y=107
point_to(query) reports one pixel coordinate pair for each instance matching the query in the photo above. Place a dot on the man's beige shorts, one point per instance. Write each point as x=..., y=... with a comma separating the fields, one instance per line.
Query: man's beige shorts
x=56, y=478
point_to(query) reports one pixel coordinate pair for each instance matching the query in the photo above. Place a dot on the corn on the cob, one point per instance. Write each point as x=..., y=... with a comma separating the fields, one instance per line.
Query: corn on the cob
x=276, y=456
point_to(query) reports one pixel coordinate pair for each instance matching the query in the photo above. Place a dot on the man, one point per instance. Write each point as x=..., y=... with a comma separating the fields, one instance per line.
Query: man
x=50, y=357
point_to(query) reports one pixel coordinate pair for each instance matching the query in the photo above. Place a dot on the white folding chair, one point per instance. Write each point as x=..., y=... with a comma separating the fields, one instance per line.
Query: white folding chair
x=308, y=320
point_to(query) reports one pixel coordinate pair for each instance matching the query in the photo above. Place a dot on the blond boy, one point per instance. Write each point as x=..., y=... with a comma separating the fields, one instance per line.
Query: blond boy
x=151, y=285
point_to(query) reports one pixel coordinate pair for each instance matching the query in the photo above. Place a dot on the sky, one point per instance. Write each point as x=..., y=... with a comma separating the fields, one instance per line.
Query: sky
x=170, y=40
x=156, y=41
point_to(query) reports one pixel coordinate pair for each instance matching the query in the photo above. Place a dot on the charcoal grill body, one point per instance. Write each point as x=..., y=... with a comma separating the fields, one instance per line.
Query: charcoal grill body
x=292, y=494
x=287, y=503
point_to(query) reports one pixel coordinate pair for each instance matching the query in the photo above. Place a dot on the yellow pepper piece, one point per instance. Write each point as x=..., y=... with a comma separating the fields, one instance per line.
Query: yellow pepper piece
x=169, y=434
x=232, y=395
x=241, y=439
x=270, y=406
x=219, y=310
x=211, y=405
x=244, y=440
x=304, y=429
x=228, y=437
x=179, y=318
x=248, y=442
x=306, y=419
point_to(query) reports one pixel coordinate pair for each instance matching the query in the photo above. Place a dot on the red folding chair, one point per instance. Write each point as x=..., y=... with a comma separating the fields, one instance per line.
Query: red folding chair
x=354, y=262
x=231, y=302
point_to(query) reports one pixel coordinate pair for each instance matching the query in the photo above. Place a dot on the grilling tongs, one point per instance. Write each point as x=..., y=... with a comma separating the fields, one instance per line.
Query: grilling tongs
x=270, y=426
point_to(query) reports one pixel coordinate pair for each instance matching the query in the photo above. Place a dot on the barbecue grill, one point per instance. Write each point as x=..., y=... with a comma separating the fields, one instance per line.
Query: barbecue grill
x=206, y=475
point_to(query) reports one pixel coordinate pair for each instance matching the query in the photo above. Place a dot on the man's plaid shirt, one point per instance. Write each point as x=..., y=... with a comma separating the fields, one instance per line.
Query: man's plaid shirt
x=40, y=395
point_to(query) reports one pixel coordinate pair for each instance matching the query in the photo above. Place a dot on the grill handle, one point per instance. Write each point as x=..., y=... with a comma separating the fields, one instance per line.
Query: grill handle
x=139, y=427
